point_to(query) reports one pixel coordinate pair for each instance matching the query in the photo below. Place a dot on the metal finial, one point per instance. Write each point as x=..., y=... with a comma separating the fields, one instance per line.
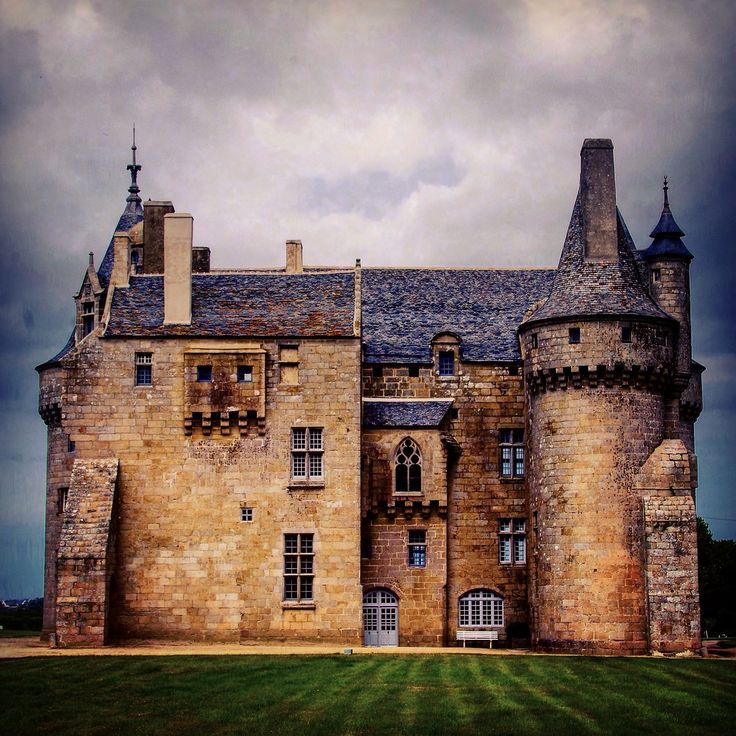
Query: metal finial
x=664, y=189
x=134, y=168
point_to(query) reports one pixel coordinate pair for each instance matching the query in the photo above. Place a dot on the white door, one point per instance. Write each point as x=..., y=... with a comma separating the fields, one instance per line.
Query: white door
x=380, y=619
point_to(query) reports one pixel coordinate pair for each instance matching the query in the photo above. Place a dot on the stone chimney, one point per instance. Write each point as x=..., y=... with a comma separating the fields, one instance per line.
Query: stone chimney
x=153, y=235
x=121, y=260
x=177, y=249
x=598, y=200
x=294, y=262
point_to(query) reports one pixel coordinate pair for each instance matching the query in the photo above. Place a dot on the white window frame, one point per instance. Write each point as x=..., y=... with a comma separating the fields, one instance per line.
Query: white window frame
x=143, y=360
x=417, y=548
x=299, y=567
x=307, y=453
x=512, y=541
x=511, y=450
x=480, y=608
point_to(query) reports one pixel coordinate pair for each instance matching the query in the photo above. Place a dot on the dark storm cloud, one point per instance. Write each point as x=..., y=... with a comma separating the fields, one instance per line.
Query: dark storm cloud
x=434, y=133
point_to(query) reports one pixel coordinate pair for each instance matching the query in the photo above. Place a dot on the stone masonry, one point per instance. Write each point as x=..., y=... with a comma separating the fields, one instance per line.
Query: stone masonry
x=391, y=456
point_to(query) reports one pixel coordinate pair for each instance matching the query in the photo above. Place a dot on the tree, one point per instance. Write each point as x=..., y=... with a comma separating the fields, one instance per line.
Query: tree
x=717, y=578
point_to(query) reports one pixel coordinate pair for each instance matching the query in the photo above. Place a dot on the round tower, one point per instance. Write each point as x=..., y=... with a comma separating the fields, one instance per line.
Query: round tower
x=598, y=357
x=668, y=266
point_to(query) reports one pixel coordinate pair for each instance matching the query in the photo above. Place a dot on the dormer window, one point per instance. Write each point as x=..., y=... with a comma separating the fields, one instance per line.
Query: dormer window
x=447, y=363
x=88, y=318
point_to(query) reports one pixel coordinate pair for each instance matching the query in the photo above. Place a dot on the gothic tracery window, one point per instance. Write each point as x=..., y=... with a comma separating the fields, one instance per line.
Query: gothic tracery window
x=408, y=467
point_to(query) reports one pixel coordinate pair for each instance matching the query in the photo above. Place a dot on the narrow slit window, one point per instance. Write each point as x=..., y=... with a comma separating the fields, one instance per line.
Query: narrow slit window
x=626, y=333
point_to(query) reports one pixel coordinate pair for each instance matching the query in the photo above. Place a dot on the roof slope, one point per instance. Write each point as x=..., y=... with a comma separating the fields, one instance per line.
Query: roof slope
x=594, y=288
x=132, y=215
x=404, y=413
x=403, y=309
x=241, y=305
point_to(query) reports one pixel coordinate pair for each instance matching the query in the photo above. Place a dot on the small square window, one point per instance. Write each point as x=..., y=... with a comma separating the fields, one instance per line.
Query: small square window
x=447, y=363
x=626, y=333
x=246, y=513
x=574, y=335
x=377, y=371
x=143, y=369
x=513, y=370
x=414, y=371
x=454, y=413
x=204, y=373
x=245, y=374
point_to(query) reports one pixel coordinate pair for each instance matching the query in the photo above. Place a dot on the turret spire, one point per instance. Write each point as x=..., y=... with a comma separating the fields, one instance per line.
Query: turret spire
x=667, y=233
x=134, y=168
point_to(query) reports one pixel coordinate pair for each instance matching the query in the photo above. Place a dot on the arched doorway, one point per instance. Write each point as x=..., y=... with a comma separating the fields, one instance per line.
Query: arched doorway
x=380, y=619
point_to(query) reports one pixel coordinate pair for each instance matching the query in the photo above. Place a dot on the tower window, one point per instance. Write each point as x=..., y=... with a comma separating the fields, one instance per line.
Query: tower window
x=447, y=363
x=535, y=341
x=204, y=373
x=413, y=371
x=511, y=453
x=417, y=548
x=626, y=333
x=574, y=335
x=656, y=274
x=377, y=371
x=61, y=500
x=245, y=374
x=143, y=369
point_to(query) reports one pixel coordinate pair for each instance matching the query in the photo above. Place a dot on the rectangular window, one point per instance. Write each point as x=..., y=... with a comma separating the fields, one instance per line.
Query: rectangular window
x=204, y=373
x=61, y=500
x=298, y=567
x=625, y=333
x=511, y=453
x=246, y=513
x=417, y=548
x=377, y=371
x=512, y=541
x=656, y=274
x=245, y=374
x=447, y=363
x=71, y=445
x=307, y=452
x=143, y=369
x=413, y=371
x=88, y=318
x=574, y=335
x=535, y=341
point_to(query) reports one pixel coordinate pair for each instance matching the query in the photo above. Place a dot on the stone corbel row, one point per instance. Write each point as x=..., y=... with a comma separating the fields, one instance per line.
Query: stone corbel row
x=626, y=376
x=224, y=424
x=50, y=413
x=407, y=507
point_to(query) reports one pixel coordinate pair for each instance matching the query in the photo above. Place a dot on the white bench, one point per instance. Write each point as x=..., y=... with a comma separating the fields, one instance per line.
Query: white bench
x=489, y=636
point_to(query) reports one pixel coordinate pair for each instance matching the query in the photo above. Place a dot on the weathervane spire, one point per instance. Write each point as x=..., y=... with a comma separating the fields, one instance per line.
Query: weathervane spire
x=134, y=168
x=665, y=187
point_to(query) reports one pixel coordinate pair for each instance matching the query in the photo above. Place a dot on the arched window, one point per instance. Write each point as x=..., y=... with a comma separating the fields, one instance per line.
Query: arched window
x=408, y=467
x=481, y=608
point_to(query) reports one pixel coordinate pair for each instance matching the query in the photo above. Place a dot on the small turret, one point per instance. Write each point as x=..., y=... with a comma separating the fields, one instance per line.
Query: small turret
x=667, y=234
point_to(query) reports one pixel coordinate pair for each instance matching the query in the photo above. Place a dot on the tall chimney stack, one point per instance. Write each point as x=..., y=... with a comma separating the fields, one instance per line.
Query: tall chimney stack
x=178, y=268
x=294, y=262
x=153, y=235
x=598, y=200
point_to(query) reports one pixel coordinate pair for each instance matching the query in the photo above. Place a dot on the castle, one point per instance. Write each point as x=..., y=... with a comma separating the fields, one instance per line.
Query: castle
x=388, y=456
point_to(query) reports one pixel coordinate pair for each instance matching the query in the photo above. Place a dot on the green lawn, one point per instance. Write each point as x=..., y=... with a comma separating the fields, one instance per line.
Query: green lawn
x=305, y=695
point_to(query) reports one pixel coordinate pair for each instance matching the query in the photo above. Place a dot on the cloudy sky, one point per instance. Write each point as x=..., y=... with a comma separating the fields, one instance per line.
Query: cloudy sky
x=403, y=132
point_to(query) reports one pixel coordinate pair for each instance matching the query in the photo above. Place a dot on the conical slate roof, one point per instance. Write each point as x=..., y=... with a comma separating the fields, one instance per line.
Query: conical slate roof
x=666, y=235
x=584, y=288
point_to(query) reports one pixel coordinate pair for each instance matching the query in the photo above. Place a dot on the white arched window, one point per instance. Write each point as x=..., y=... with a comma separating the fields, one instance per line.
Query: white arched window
x=408, y=467
x=481, y=608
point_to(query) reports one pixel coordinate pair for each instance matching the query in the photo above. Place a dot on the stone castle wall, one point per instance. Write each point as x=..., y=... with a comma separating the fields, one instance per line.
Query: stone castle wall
x=187, y=566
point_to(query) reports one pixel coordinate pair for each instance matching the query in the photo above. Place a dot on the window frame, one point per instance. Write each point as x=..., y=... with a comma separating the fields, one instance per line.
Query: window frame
x=143, y=361
x=414, y=479
x=487, y=613
x=298, y=567
x=246, y=514
x=512, y=541
x=204, y=373
x=307, y=454
x=62, y=500
x=88, y=317
x=512, y=450
x=417, y=548
x=574, y=336
x=244, y=374
x=442, y=363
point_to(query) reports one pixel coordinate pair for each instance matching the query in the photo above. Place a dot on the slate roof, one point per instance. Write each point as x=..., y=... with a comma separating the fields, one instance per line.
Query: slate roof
x=132, y=215
x=404, y=413
x=241, y=305
x=403, y=309
x=585, y=288
x=667, y=234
